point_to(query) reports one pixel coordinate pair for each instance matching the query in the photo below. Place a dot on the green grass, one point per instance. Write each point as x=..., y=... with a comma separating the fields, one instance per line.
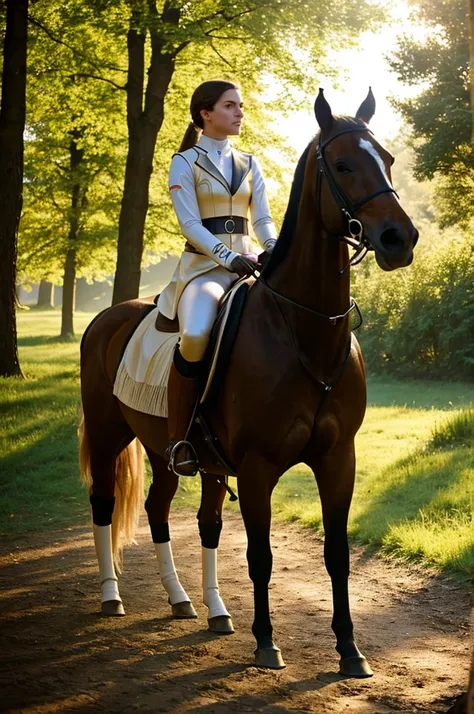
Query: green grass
x=38, y=424
x=415, y=465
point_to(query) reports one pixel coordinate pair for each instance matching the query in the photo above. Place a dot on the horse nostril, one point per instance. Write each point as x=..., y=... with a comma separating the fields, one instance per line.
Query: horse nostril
x=391, y=240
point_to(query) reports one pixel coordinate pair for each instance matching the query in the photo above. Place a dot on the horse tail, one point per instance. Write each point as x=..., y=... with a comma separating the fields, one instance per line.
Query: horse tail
x=129, y=487
x=129, y=474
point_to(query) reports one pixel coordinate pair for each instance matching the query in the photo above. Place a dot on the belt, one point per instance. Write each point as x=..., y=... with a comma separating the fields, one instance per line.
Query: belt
x=221, y=224
x=226, y=224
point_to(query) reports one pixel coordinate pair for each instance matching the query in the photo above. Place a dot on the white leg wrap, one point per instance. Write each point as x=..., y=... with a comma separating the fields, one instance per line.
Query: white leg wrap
x=103, y=549
x=210, y=586
x=168, y=574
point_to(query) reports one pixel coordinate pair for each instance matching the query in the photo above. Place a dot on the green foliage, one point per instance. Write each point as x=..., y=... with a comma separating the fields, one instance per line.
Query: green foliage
x=78, y=69
x=65, y=105
x=419, y=321
x=440, y=115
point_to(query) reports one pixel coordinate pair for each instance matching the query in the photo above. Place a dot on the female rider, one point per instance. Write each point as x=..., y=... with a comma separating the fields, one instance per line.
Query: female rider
x=213, y=188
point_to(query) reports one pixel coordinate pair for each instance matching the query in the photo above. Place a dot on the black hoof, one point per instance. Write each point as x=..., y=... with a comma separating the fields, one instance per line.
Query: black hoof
x=222, y=625
x=183, y=611
x=355, y=667
x=269, y=657
x=112, y=608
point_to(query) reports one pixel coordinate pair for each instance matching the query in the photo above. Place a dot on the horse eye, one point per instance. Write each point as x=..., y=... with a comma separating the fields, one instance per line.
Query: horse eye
x=342, y=168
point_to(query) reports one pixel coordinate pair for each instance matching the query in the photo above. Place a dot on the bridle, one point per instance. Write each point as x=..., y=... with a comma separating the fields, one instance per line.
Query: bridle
x=357, y=238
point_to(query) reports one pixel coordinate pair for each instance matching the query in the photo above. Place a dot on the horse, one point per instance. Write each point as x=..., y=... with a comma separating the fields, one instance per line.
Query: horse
x=294, y=390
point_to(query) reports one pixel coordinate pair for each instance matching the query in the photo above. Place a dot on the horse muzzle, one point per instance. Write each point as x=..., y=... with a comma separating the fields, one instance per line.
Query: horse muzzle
x=394, y=246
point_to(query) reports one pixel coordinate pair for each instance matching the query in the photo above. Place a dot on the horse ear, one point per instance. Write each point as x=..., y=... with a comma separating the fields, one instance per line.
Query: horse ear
x=367, y=109
x=323, y=112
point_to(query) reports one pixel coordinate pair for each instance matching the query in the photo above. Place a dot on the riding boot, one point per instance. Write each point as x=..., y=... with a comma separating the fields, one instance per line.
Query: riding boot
x=183, y=392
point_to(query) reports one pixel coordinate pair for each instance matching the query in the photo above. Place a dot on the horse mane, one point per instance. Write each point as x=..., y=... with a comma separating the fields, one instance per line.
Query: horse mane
x=289, y=222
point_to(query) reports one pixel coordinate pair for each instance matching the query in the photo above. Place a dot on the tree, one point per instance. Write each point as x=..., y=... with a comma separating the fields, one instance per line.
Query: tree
x=260, y=35
x=441, y=115
x=12, y=124
x=74, y=153
x=81, y=45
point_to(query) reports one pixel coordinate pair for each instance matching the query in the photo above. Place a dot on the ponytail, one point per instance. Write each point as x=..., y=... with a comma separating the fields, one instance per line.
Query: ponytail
x=191, y=137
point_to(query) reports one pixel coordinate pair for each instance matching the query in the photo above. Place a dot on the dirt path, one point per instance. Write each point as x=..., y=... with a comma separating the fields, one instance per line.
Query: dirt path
x=56, y=654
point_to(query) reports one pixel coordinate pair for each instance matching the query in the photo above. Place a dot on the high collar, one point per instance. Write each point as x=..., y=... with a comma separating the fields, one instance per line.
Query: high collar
x=212, y=145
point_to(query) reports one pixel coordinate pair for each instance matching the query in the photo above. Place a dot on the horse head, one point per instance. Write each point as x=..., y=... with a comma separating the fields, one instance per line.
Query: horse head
x=357, y=197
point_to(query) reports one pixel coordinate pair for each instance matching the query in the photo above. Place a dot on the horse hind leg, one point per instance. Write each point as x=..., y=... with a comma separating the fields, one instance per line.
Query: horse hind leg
x=210, y=526
x=110, y=457
x=157, y=505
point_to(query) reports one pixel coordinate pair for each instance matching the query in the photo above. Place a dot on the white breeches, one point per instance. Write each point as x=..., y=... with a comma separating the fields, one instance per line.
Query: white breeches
x=197, y=310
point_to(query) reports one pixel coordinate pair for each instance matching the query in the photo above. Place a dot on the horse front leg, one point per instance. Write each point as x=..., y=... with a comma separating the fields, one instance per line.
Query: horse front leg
x=157, y=506
x=256, y=483
x=335, y=478
x=210, y=526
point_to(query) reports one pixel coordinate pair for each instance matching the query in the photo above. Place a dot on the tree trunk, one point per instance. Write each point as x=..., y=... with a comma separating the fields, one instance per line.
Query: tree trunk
x=143, y=127
x=69, y=290
x=470, y=17
x=82, y=293
x=45, y=294
x=12, y=125
x=77, y=202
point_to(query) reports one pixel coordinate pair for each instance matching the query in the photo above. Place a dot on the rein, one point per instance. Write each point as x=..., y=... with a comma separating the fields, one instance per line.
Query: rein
x=333, y=319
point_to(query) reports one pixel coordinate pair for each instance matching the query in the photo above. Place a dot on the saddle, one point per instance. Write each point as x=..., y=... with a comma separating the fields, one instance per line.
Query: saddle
x=222, y=336
x=216, y=360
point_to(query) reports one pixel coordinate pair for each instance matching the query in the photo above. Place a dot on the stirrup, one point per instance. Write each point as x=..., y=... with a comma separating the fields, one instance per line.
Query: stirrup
x=190, y=462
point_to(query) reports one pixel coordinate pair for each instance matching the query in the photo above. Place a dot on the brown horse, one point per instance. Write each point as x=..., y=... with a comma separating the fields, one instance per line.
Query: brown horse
x=295, y=387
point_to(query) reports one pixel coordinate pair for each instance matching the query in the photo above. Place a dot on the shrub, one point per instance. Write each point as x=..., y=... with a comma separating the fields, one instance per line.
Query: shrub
x=419, y=321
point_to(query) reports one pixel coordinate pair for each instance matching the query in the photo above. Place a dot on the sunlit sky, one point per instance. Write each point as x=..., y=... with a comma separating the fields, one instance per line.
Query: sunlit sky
x=362, y=67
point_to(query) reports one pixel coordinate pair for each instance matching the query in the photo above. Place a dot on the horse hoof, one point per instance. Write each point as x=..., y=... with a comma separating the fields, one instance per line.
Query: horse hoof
x=221, y=624
x=355, y=667
x=112, y=608
x=183, y=610
x=269, y=657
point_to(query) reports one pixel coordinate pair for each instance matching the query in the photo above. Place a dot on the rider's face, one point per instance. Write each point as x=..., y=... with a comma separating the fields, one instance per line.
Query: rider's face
x=225, y=119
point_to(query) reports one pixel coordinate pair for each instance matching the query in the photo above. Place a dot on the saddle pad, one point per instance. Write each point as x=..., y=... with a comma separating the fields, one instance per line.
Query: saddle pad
x=141, y=381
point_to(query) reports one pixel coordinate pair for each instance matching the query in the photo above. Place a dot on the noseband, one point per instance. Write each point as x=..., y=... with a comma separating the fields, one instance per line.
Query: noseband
x=357, y=238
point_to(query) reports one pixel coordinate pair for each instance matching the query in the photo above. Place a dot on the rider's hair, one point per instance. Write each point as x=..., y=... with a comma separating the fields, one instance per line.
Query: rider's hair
x=204, y=97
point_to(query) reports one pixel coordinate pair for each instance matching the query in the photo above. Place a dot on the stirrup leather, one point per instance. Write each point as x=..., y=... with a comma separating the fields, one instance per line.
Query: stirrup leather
x=190, y=462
